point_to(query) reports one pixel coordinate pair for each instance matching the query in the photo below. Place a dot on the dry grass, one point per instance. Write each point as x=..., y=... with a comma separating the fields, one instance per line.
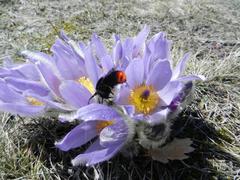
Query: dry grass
x=209, y=29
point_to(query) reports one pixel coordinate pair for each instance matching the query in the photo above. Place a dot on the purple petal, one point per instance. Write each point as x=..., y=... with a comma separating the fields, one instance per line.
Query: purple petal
x=23, y=85
x=100, y=49
x=91, y=66
x=49, y=78
x=96, y=112
x=123, y=96
x=96, y=156
x=22, y=109
x=28, y=71
x=160, y=47
x=117, y=53
x=64, y=36
x=107, y=63
x=139, y=40
x=68, y=66
x=114, y=134
x=78, y=136
x=158, y=117
x=37, y=56
x=159, y=75
x=74, y=93
x=177, y=72
x=135, y=73
x=9, y=95
x=170, y=91
x=127, y=48
x=181, y=96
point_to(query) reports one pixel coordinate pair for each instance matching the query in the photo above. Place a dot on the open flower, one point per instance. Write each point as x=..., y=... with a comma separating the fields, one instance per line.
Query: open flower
x=64, y=74
x=101, y=121
x=152, y=82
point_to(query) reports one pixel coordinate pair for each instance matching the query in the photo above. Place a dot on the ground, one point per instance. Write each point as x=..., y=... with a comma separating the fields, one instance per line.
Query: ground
x=209, y=29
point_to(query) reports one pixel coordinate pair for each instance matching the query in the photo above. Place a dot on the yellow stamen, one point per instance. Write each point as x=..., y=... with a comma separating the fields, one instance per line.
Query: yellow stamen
x=102, y=124
x=33, y=101
x=86, y=82
x=144, y=98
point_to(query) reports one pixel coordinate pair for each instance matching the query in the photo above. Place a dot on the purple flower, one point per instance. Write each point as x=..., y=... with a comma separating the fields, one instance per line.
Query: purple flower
x=99, y=121
x=153, y=84
x=65, y=73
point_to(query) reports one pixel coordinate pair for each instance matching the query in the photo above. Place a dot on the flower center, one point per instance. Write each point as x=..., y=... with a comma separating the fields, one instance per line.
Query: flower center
x=144, y=98
x=33, y=101
x=102, y=124
x=86, y=82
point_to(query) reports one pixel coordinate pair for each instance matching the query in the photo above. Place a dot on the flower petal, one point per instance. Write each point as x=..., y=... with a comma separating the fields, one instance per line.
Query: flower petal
x=96, y=112
x=74, y=93
x=50, y=79
x=68, y=65
x=107, y=63
x=28, y=71
x=159, y=75
x=177, y=72
x=117, y=53
x=91, y=66
x=127, y=48
x=170, y=91
x=78, y=136
x=123, y=96
x=135, y=73
x=23, y=85
x=139, y=40
x=100, y=49
x=22, y=109
x=7, y=94
x=96, y=155
x=160, y=47
x=114, y=134
x=158, y=117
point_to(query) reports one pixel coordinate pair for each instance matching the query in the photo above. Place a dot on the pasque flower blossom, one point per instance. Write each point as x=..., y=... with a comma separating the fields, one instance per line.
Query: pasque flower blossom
x=106, y=123
x=65, y=81
x=152, y=83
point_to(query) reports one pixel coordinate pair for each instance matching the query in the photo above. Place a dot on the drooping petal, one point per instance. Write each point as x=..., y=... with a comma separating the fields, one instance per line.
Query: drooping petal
x=98, y=155
x=114, y=134
x=21, y=109
x=96, y=111
x=78, y=136
x=38, y=57
x=74, y=93
x=160, y=75
x=158, y=117
x=177, y=72
x=170, y=91
x=7, y=94
x=28, y=71
x=135, y=73
x=23, y=85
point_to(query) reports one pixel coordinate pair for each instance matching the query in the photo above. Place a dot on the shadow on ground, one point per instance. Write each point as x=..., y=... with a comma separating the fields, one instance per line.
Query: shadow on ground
x=42, y=133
